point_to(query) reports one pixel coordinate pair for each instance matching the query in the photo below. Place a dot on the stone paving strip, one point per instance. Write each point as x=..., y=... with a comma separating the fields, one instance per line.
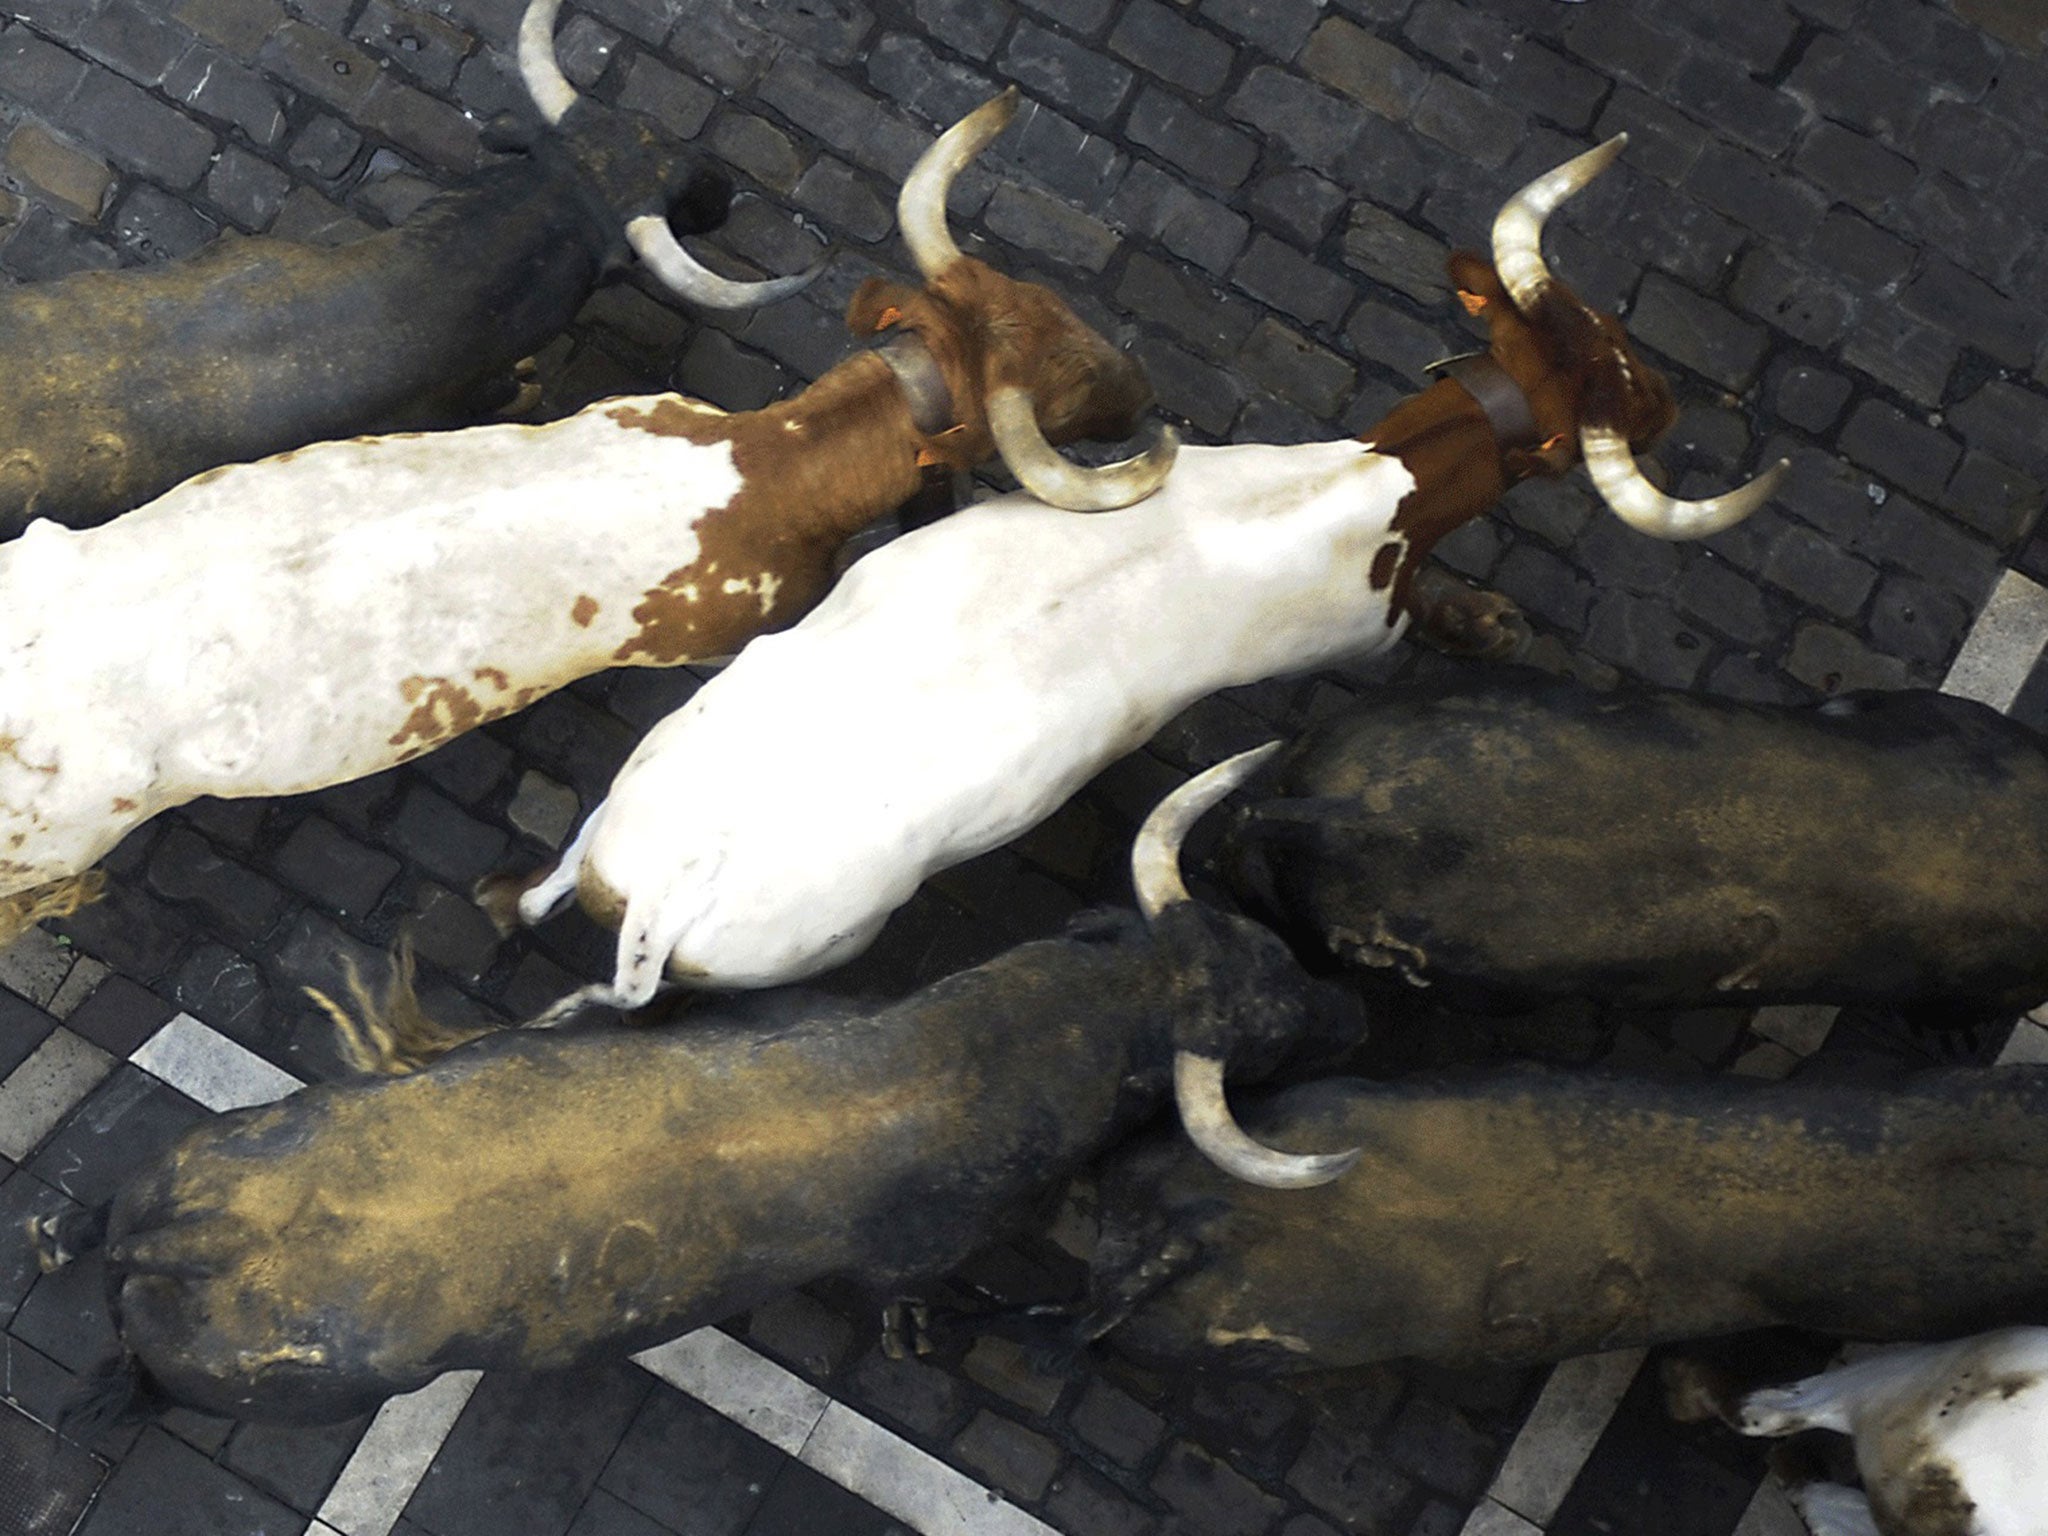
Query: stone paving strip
x=409, y=1431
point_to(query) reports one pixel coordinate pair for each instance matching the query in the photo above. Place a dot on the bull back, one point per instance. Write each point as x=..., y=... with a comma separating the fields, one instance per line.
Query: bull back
x=1515, y=841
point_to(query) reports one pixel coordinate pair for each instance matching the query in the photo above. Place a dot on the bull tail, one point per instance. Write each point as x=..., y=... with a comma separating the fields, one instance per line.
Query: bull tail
x=643, y=955
x=112, y=1393
x=391, y=1035
x=59, y=898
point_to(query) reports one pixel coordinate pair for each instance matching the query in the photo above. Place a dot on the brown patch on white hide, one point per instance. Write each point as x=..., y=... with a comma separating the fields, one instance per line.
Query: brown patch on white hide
x=584, y=610
x=442, y=709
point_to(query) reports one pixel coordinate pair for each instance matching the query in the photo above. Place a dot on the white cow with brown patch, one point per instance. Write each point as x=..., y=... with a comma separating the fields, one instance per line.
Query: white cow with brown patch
x=962, y=681
x=274, y=627
x=1951, y=1439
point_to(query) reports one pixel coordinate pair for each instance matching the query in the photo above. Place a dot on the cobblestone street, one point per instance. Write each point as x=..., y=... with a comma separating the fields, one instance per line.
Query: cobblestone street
x=1829, y=228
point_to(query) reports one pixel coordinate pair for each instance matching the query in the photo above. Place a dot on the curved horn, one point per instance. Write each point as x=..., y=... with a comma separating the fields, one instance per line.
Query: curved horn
x=1072, y=487
x=1643, y=507
x=1205, y=1113
x=648, y=233
x=545, y=82
x=1518, y=228
x=921, y=205
x=1198, y=1079
x=684, y=274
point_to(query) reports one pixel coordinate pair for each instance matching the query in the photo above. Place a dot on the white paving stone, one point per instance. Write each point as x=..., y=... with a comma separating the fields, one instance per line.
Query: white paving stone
x=83, y=980
x=46, y=1087
x=204, y=1064
x=1770, y=1513
x=2003, y=644
x=34, y=966
x=393, y=1455
x=2028, y=1044
x=1560, y=1432
x=751, y=1390
x=899, y=1479
x=1491, y=1519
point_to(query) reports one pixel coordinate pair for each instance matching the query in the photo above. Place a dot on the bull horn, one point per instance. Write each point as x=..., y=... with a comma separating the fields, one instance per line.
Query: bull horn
x=1518, y=228
x=648, y=233
x=545, y=82
x=921, y=205
x=1612, y=466
x=1013, y=423
x=1198, y=1079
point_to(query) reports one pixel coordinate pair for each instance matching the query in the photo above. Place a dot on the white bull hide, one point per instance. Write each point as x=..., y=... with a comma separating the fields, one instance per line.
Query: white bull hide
x=276, y=627
x=1951, y=1439
x=957, y=686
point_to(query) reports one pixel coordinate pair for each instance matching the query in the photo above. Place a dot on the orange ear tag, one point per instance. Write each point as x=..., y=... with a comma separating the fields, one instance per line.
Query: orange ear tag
x=1475, y=303
x=1555, y=440
x=888, y=317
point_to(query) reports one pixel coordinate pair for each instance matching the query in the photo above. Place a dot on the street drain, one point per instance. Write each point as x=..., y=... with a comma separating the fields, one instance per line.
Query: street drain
x=45, y=1481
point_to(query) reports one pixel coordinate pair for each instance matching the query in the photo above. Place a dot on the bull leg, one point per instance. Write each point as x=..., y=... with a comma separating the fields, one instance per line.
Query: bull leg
x=62, y=1236
x=1829, y=1509
x=546, y=896
x=1463, y=619
x=906, y=1329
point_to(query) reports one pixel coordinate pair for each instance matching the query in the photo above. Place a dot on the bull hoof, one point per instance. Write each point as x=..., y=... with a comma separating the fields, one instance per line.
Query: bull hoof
x=1469, y=621
x=1695, y=1391
x=61, y=1236
x=906, y=1330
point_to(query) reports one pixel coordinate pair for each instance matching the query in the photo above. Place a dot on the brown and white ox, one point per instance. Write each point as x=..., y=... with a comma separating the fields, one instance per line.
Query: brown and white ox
x=321, y=615
x=962, y=681
x=1951, y=1439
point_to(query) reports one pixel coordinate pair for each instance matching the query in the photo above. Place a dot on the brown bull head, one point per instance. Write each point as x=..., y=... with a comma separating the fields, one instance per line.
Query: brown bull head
x=1023, y=370
x=1558, y=382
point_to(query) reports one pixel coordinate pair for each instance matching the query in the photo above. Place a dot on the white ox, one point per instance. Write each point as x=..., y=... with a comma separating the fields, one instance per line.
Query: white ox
x=964, y=680
x=275, y=627
x=1951, y=1439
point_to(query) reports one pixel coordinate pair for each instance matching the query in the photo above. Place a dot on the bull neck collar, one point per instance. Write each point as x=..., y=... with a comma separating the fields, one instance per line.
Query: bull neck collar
x=1498, y=396
x=924, y=386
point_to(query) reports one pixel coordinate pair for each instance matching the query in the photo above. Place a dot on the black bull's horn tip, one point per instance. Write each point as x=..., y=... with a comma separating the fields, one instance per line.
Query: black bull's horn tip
x=1198, y=1076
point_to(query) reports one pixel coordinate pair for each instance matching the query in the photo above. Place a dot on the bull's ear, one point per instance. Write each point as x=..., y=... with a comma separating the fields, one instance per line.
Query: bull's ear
x=1474, y=276
x=876, y=305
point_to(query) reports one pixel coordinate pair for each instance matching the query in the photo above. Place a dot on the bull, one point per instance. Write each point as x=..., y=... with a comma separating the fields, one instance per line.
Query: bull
x=322, y=615
x=1510, y=840
x=1517, y=1215
x=124, y=384
x=537, y=1201
x=1948, y=1437
x=970, y=676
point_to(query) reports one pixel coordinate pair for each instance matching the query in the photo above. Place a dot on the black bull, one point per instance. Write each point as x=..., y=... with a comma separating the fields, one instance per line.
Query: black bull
x=535, y=1201
x=1525, y=1215
x=1513, y=841
x=122, y=384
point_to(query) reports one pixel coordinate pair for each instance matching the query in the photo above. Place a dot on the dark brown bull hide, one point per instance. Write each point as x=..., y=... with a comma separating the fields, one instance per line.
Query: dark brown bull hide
x=123, y=384
x=539, y=1200
x=1525, y=1215
x=1513, y=840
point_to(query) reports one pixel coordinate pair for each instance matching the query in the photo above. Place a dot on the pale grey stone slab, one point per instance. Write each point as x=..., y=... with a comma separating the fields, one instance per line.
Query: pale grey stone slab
x=2029, y=1044
x=34, y=966
x=1560, y=1433
x=751, y=1390
x=1491, y=1519
x=901, y=1480
x=1770, y=1513
x=204, y=1064
x=40, y=1092
x=393, y=1455
x=2003, y=644
x=1799, y=1027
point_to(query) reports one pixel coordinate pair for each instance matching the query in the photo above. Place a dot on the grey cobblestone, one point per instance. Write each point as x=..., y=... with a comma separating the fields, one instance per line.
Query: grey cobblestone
x=1831, y=660
x=218, y=87
x=1152, y=204
x=1298, y=203
x=1389, y=251
x=1697, y=332
x=1295, y=368
x=1154, y=38
x=1211, y=152
x=973, y=27
x=1278, y=27
x=1017, y=1460
x=1277, y=275
x=1621, y=43
x=1642, y=635
x=1662, y=142
x=1912, y=455
x=1468, y=121
x=1348, y=1482
x=1082, y=1504
x=1212, y=1498
x=1914, y=359
x=1794, y=298
x=1310, y=124
x=1365, y=67
x=1859, y=85
x=1066, y=73
x=239, y=26
x=1870, y=258
x=1853, y=166
x=1949, y=298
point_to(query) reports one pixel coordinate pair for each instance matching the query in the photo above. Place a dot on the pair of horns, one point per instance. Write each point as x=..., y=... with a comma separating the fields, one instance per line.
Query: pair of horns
x=647, y=229
x=1518, y=258
x=1198, y=1079
x=1012, y=418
